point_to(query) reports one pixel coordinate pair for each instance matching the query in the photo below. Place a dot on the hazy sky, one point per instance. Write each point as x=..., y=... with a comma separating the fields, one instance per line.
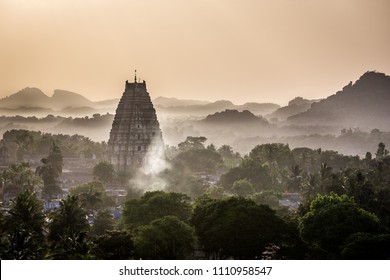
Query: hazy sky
x=241, y=50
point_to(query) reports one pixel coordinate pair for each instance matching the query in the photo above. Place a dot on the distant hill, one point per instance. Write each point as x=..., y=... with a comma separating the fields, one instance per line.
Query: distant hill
x=294, y=107
x=364, y=104
x=259, y=108
x=28, y=97
x=217, y=106
x=230, y=117
x=173, y=102
x=63, y=99
x=32, y=100
x=109, y=103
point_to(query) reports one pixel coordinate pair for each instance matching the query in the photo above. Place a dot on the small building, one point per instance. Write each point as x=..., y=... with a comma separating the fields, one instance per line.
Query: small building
x=51, y=205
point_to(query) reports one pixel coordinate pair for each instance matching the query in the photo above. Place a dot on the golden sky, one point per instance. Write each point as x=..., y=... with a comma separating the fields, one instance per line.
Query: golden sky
x=239, y=50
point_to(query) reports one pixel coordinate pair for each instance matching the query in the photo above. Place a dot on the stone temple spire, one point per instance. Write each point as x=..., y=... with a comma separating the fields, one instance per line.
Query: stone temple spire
x=135, y=127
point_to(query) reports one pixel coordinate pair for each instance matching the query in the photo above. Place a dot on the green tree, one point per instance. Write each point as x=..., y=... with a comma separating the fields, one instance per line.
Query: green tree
x=113, y=245
x=381, y=151
x=216, y=192
x=251, y=170
x=187, y=184
x=275, y=155
x=19, y=175
x=198, y=160
x=91, y=200
x=295, y=180
x=92, y=196
x=103, y=171
x=24, y=227
x=25, y=143
x=2, y=223
x=367, y=246
x=103, y=222
x=192, y=143
x=94, y=186
x=230, y=159
x=16, y=178
x=49, y=171
x=361, y=189
x=167, y=238
x=226, y=151
x=55, y=158
x=211, y=147
x=236, y=227
x=268, y=197
x=331, y=220
x=243, y=188
x=68, y=230
x=3, y=246
x=310, y=187
x=155, y=205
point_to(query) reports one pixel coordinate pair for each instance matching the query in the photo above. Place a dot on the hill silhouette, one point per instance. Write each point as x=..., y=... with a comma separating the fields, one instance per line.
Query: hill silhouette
x=294, y=107
x=171, y=101
x=27, y=97
x=217, y=106
x=363, y=104
x=31, y=100
x=64, y=99
x=234, y=117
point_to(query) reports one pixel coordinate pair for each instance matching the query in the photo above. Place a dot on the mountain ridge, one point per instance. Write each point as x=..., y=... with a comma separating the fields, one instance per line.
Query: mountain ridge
x=364, y=104
x=294, y=107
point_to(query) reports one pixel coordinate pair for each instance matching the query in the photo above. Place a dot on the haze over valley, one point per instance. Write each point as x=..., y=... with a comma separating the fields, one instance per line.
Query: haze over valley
x=357, y=108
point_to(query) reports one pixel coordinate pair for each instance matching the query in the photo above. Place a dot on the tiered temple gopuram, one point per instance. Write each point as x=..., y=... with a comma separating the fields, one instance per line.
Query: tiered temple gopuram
x=134, y=129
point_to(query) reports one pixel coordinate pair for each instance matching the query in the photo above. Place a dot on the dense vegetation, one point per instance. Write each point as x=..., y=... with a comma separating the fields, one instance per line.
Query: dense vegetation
x=24, y=142
x=343, y=210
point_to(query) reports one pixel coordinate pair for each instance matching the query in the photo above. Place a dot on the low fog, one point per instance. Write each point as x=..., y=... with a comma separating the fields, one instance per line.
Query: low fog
x=351, y=121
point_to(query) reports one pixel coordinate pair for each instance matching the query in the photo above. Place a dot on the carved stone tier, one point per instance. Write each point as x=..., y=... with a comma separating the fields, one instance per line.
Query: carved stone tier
x=134, y=129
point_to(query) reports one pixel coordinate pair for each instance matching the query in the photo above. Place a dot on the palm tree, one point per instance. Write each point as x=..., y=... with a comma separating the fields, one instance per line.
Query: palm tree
x=295, y=179
x=49, y=171
x=19, y=175
x=91, y=199
x=49, y=176
x=24, y=227
x=68, y=226
x=310, y=188
x=69, y=216
x=15, y=179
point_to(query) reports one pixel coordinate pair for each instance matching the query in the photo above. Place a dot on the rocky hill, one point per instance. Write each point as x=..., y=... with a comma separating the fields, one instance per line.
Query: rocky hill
x=294, y=107
x=172, y=102
x=364, y=104
x=234, y=117
x=32, y=101
x=64, y=99
x=217, y=106
x=28, y=97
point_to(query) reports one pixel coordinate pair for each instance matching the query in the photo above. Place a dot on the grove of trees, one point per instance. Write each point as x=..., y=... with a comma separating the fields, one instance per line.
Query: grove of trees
x=342, y=210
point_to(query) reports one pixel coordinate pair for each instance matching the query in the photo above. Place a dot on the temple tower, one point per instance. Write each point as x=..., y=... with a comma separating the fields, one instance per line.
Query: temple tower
x=134, y=129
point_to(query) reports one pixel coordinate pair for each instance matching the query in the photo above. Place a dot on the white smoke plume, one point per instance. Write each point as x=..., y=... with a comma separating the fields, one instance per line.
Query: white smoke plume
x=148, y=176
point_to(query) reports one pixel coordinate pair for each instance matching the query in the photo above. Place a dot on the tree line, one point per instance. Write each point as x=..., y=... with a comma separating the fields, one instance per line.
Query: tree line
x=343, y=211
